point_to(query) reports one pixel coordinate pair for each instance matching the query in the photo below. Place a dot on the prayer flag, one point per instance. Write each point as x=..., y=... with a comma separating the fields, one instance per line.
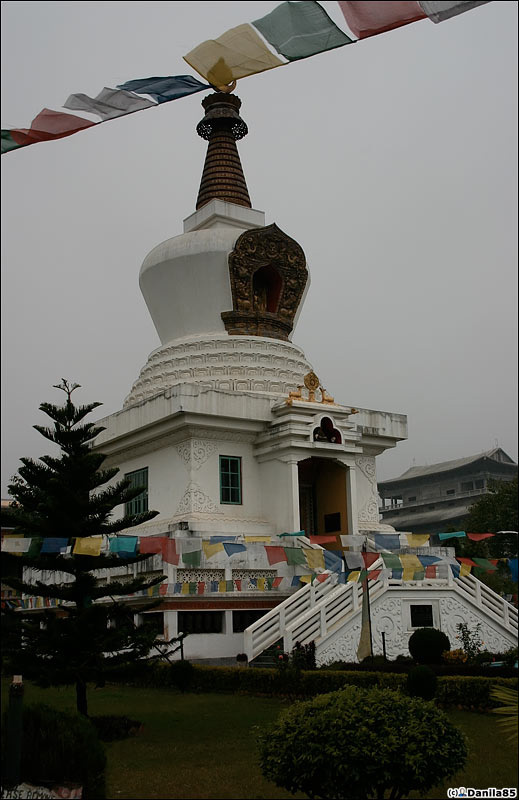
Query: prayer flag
x=374, y=574
x=332, y=561
x=410, y=561
x=276, y=582
x=299, y=30
x=297, y=533
x=512, y=563
x=165, y=89
x=396, y=574
x=163, y=588
x=485, y=564
x=438, y=12
x=391, y=560
x=49, y=125
x=296, y=580
x=151, y=544
x=387, y=541
x=235, y=54
x=275, y=554
x=237, y=582
x=192, y=559
x=193, y=587
x=417, y=539
x=408, y=574
x=305, y=578
x=295, y=556
x=352, y=540
x=211, y=549
x=427, y=561
x=124, y=545
x=419, y=575
x=201, y=587
x=178, y=588
x=16, y=544
x=465, y=570
x=456, y=535
x=353, y=576
x=53, y=545
x=261, y=584
x=323, y=539
x=315, y=559
x=370, y=558
x=88, y=546
x=169, y=552
x=231, y=549
x=216, y=539
x=354, y=560
x=257, y=538
x=367, y=19
x=467, y=561
x=214, y=586
x=229, y=586
x=430, y=571
x=108, y=104
x=455, y=570
x=185, y=588
x=478, y=537
x=222, y=586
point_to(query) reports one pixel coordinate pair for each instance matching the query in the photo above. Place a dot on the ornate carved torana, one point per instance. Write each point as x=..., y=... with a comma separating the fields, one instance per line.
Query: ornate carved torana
x=268, y=276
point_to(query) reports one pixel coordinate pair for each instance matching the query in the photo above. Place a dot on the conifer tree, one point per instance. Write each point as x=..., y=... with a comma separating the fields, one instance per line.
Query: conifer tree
x=66, y=497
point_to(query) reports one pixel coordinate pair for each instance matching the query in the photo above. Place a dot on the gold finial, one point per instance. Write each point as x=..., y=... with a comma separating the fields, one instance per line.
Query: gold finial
x=312, y=383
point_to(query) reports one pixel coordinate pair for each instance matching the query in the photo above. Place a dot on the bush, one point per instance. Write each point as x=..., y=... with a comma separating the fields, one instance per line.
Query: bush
x=374, y=661
x=426, y=645
x=111, y=727
x=303, y=656
x=473, y=694
x=58, y=748
x=422, y=682
x=454, y=657
x=363, y=742
x=181, y=674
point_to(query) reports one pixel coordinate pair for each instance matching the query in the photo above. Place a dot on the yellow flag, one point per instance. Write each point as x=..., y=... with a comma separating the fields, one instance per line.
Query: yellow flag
x=417, y=539
x=185, y=588
x=257, y=538
x=222, y=586
x=411, y=562
x=305, y=578
x=315, y=558
x=88, y=546
x=235, y=54
x=354, y=576
x=464, y=570
x=261, y=584
x=211, y=549
x=408, y=574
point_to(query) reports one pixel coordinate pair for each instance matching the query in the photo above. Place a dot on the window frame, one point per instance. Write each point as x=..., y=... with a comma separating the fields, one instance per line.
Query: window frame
x=142, y=498
x=228, y=487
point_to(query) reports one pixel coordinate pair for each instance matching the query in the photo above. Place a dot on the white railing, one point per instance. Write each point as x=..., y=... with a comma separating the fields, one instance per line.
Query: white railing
x=271, y=627
x=488, y=601
x=333, y=611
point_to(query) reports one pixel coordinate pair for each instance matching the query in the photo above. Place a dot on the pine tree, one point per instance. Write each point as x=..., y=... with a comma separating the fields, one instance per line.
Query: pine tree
x=79, y=640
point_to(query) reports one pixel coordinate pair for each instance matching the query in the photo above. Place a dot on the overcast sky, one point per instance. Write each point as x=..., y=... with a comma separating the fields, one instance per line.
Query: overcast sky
x=392, y=162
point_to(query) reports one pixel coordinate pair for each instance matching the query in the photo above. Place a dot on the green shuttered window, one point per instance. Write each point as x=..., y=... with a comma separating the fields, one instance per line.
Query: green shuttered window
x=230, y=480
x=139, y=504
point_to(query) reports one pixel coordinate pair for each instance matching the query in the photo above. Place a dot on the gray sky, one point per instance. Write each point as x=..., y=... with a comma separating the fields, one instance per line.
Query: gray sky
x=392, y=162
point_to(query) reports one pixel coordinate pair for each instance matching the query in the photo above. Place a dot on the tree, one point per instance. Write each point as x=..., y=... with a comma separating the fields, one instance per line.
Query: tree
x=63, y=497
x=497, y=511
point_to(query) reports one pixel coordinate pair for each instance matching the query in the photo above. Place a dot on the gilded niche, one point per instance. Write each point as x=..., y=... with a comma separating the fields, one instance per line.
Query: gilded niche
x=268, y=276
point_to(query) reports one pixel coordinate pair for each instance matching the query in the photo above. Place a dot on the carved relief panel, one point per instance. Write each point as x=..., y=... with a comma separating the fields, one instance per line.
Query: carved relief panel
x=268, y=275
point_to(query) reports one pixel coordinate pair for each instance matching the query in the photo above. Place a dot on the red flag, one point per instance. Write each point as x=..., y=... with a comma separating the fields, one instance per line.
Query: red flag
x=163, y=588
x=201, y=587
x=323, y=539
x=468, y=561
x=275, y=554
x=50, y=125
x=477, y=537
x=373, y=575
x=169, y=552
x=237, y=581
x=430, y=571
x=367, y=19
x=276, y=582
x=370, y=558
x=151, y=544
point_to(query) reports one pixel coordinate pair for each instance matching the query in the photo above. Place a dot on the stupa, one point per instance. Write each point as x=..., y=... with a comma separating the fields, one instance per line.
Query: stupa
x=232, y=436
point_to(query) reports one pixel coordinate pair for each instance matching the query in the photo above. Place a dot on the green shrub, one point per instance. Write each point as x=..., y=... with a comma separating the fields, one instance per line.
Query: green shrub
x=374, y=661
x=303, y=656
x=422, y=682
x=60, y=747
x=426, y=645
x=111, y=727
x=181, y=674
x=470, y=692
x=362, y=742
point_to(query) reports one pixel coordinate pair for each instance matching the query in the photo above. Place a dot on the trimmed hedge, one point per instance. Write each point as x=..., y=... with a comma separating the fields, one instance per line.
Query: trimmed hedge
x=467, y=692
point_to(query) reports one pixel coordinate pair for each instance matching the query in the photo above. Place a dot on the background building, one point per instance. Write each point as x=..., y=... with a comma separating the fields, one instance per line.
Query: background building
x=437, y=498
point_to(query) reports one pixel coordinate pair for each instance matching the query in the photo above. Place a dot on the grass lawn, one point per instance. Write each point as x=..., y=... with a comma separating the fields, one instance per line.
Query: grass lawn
x=202, y=745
